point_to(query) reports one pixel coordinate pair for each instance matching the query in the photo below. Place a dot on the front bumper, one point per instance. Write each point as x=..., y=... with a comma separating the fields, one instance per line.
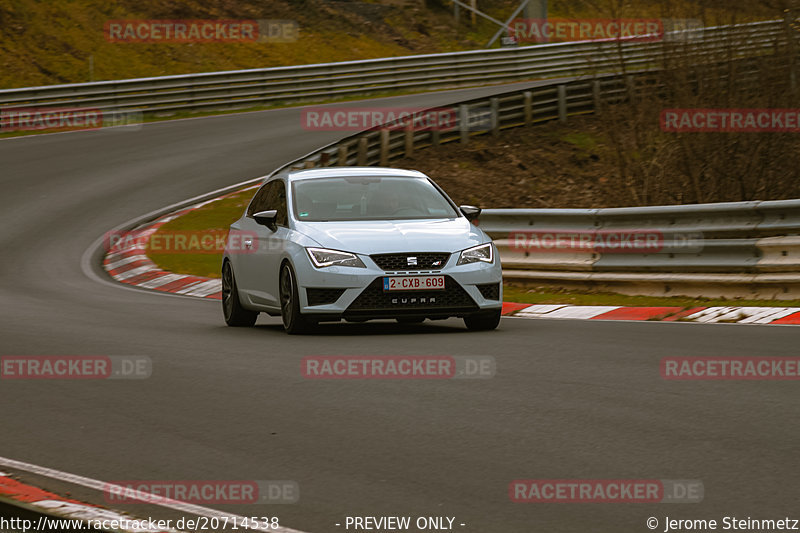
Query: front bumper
x=357, y=294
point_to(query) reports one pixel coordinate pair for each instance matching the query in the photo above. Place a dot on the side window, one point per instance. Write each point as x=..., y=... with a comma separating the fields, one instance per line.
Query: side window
x=271, y=196
x=278, y=202
x=259, y=201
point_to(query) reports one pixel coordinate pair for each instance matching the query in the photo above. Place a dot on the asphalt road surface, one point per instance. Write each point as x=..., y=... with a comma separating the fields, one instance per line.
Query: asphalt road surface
x=570, y=400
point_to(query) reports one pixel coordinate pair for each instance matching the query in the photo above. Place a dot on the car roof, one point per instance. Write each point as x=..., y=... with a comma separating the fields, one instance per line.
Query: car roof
x=344, y=172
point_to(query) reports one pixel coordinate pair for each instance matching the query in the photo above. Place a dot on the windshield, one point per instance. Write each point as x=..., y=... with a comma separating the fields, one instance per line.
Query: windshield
x=369, y=198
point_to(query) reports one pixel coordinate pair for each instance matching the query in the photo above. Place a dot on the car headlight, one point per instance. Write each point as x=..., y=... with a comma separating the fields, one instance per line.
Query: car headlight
x=322, y=257
x=483, y=253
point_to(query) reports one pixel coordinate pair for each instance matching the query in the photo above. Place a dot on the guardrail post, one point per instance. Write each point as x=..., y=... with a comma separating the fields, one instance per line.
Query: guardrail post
x=341, y=158
x=494, y=104
x=384, y=147
x=436, y=136
x=308, y=164
x=362, y=152
x=630, y=84
x=562, y=103
x=527, y=106
x=463, y=123
x=596, y=94
x=325, y=159
x=409, y=136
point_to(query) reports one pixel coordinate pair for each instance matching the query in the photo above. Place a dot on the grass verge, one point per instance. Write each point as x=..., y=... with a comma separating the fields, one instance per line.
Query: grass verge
x=220, y=214
x=212, y=218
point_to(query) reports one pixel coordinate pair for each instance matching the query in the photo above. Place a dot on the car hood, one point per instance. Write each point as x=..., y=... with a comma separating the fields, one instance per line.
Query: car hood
x=380, y=236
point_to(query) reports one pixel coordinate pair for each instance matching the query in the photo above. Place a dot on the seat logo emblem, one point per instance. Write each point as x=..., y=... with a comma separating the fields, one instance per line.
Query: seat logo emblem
x=412, y=261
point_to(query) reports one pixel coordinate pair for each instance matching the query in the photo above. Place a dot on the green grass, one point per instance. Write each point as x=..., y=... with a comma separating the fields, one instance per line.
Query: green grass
x=583, y=140
x=214, y=217
x=56, y=41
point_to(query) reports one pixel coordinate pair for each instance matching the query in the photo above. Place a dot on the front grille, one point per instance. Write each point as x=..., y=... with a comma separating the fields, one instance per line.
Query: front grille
x=323, y=296
x=400, y=262
x=374, y=300
x=490, y=291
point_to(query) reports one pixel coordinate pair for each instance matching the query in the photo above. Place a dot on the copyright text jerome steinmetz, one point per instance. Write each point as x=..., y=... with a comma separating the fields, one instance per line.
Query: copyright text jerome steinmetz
x=727, y=523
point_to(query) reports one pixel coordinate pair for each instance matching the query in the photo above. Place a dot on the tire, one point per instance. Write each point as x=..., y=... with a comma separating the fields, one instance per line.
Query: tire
x=293, y=321
x=235, y=315
x=411, y=319
x=485, y=321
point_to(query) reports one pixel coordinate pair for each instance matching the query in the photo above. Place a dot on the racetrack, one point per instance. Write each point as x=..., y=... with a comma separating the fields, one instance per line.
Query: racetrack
x=571, y=399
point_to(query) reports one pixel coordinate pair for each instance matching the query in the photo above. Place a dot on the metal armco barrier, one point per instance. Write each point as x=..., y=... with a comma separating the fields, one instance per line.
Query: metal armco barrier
x=255, y=87
x=746, y=249
x=726, y=237
x=552, y=100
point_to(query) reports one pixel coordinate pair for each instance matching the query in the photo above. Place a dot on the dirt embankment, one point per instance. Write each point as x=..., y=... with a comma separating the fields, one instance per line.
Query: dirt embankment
x=550, y=165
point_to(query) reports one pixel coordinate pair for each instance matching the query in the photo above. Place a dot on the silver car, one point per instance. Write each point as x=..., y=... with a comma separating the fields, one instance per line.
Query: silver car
x=359, y=243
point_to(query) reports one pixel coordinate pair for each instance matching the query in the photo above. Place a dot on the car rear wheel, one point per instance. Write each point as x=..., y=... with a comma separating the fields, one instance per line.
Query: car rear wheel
x=485, y=321
x=293, y=321
x=235, y=314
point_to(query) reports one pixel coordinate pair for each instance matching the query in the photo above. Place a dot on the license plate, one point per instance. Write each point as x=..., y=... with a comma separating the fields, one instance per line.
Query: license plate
x=413, y=283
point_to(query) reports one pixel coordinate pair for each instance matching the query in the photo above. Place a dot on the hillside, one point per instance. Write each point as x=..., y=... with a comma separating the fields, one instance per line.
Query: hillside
x=63, y=41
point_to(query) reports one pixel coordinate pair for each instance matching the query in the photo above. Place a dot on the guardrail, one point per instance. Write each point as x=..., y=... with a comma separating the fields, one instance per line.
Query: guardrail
x=747, y=250
x=725, y=237
x=255, y=87
x=748, y=244
x=554, y=100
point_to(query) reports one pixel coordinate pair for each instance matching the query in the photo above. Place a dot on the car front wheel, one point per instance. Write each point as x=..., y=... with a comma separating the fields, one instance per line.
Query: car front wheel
x=235, y=314
x=293, y=321
x=484, y=321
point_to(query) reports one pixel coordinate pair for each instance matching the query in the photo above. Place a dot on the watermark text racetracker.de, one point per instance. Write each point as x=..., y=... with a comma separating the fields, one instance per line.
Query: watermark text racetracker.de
x=606, y=241
x=202, y=492
x=339, y=118
x=730, y=368
x=730, y=120
x=65, y=118
x=213, y=241
x=201, y=31
x=78, y=367
x=423, y=367
x=343, y=118
x=560, y=29
x=606, y=491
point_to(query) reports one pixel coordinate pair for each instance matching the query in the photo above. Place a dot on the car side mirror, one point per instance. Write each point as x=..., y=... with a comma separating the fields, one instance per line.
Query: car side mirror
x=267, y=218
x=470, y=211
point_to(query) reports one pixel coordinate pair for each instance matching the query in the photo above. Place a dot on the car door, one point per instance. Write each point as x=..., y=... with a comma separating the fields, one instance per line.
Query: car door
x=261, y=266
x=244, y=234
